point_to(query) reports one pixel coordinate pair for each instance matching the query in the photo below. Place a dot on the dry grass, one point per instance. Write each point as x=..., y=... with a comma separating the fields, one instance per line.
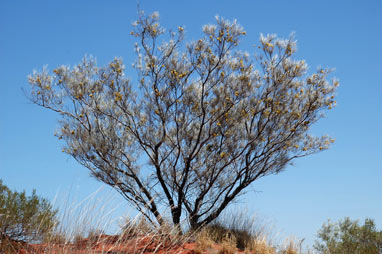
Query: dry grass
x=237, y=227
x=82, y=230
x=233, y=233
x=238, y=232
x=290, y=246
x=83, y=224
x=203, y=241
x=228, y=246
x=139, y=241
x=260, y=246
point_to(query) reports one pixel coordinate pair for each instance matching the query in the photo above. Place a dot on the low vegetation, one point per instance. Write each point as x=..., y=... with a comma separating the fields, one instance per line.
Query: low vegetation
x=349, y=237
x=81, y=231
x=24, y=218
x=231, y=233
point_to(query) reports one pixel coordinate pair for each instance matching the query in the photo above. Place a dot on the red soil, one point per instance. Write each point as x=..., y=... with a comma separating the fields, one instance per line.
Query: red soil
x=112, y=245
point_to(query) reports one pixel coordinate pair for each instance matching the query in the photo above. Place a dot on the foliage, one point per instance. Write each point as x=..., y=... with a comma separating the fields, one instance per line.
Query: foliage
x=205, y=121
x=350, y=237
x=24, y=218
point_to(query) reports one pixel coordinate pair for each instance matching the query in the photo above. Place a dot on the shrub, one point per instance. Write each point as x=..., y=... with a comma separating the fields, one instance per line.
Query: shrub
x=24, y=218
x=349, y=236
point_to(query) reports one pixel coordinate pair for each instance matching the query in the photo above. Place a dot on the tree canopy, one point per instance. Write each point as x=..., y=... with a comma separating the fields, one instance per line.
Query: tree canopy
x=204, y=121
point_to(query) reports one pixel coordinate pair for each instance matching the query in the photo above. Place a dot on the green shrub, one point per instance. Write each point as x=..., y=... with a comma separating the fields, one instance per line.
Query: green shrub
x=349, y=237
x=24, y=218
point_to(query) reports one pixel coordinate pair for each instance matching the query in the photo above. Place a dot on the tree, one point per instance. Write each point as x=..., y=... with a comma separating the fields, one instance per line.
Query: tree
x=24, y=218
x=201, y=124
x=349, y=237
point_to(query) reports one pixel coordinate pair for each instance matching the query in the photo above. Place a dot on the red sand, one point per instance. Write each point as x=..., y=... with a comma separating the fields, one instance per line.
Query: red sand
x=111, y=244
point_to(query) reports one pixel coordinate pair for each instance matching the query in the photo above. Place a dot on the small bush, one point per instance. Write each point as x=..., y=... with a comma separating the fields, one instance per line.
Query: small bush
x=347, y=236
x=25, y=218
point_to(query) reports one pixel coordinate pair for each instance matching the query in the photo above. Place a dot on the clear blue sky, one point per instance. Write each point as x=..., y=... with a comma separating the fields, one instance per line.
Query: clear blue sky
x=346, y=35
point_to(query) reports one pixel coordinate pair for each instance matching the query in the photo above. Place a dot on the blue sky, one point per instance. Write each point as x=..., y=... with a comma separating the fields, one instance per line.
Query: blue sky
x=346, y=35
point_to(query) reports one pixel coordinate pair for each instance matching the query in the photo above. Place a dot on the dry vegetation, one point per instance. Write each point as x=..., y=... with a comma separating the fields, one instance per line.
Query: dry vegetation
x=233, y=233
